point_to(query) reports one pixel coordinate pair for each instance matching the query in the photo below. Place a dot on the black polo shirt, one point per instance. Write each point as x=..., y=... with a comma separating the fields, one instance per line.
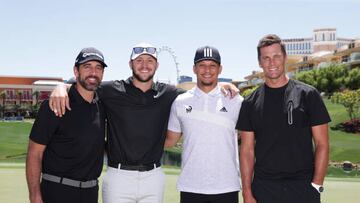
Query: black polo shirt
x=75, y=142
x=137, y=121
x=283, y=149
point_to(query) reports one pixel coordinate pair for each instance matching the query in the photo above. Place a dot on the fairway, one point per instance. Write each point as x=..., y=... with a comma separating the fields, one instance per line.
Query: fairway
x=13, y=187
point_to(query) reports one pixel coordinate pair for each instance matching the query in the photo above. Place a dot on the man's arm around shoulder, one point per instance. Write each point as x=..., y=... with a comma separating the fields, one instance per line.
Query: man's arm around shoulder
x=171, y=138
x=59, y=99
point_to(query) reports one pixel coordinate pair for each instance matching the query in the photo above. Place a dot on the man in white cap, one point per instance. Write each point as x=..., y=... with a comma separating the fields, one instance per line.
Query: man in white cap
x=138, y=110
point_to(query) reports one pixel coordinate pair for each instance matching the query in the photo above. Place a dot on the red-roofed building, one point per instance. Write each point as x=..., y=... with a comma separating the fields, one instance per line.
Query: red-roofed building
x=19, y=93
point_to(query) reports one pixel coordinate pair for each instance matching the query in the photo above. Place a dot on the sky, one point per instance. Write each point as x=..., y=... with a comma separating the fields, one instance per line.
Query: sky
x=43, y=38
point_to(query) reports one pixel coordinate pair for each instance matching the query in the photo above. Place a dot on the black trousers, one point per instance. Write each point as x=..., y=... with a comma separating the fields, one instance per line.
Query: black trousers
x=284, y=191
x=58, y=193
x=188, y=197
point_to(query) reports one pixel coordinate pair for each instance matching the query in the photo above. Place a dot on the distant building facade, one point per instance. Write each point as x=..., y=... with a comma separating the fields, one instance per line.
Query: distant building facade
x=19, y=93
x=323, y=40
x=225, y=80
x=185, y=78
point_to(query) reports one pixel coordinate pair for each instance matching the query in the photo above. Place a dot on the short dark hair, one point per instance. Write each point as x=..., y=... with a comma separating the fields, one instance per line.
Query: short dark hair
x=269, y=40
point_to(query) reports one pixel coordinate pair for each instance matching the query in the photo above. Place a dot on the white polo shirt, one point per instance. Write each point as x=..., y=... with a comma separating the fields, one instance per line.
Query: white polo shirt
x=210, y=163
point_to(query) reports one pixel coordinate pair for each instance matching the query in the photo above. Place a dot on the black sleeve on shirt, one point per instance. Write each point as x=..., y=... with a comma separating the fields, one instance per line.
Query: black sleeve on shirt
x=317, y=111
x=45, y=125
x=244, y=120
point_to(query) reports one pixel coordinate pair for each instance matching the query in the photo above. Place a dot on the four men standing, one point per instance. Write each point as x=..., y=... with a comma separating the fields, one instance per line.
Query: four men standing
x=282, y=117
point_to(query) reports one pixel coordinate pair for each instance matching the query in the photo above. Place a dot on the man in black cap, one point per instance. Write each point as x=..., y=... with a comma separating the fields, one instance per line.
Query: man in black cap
x=65, y=155
x=206, y=120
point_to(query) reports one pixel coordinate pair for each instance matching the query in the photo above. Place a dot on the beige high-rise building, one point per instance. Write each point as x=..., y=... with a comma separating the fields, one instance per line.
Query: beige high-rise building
x=323, y=40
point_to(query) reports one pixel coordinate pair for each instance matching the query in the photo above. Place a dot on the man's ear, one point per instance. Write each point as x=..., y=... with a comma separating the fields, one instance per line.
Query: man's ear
x=194, y=69
x=157, y=65
x=76, y=72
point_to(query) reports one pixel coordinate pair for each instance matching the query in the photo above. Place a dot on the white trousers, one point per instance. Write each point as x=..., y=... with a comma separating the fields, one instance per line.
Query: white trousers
x=124, y=186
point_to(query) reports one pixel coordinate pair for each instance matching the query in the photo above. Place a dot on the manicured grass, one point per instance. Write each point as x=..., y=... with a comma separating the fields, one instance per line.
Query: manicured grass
x=343, y=146
x=13, y=188
x=14, y=140
x=340, y=173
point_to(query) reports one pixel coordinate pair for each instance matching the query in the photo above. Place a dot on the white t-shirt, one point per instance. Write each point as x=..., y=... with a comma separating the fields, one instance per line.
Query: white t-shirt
x=210, y=163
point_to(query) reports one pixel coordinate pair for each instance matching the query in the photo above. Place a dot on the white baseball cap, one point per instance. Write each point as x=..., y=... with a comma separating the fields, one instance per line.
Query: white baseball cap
x=143, y=48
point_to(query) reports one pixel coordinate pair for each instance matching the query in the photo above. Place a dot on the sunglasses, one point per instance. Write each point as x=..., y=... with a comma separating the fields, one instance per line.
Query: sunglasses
x=139, y=50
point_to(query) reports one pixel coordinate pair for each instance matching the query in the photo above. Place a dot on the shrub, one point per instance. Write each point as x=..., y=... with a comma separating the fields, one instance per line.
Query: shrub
x=248, y=91
x=350, y=100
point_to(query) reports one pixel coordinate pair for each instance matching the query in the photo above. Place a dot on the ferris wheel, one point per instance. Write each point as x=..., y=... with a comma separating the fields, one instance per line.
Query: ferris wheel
x=172, y=53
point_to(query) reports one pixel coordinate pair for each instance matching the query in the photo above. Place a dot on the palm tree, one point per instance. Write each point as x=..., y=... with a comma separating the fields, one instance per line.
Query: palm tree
x=35, y=107
x=36, y=94
x=19, y=94
x=3, y=96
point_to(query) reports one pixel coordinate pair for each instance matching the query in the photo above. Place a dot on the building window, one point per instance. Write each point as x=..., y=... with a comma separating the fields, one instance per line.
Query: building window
x=345, y=59
x=26, y=95
x=10, y=94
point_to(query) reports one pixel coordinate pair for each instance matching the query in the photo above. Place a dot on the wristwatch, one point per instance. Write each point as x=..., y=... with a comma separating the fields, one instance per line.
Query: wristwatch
x=319, y=188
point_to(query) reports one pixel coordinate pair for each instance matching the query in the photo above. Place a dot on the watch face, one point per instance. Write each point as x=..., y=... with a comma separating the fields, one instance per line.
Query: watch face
x=321, y=189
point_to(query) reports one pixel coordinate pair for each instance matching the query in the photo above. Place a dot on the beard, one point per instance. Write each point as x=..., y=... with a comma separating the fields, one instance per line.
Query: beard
x=139, y=78
x=89, y=86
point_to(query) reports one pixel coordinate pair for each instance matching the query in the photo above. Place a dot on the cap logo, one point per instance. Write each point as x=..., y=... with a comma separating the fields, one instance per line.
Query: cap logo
x=207, y=52
x=92, y=54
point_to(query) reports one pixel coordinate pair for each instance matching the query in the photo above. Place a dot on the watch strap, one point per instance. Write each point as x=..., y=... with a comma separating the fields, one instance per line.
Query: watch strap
x=319, y=188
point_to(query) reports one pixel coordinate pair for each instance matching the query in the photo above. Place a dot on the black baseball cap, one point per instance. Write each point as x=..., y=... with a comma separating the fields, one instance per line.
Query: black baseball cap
x=207, y=53
x=90, y=54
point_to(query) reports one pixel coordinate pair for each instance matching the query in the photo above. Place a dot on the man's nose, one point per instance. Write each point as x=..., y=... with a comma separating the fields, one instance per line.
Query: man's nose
x=144, y=64
x=272, y=61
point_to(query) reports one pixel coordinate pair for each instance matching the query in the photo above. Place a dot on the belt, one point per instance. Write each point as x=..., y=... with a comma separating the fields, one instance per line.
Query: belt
x=140, y=167
x=70, y=182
